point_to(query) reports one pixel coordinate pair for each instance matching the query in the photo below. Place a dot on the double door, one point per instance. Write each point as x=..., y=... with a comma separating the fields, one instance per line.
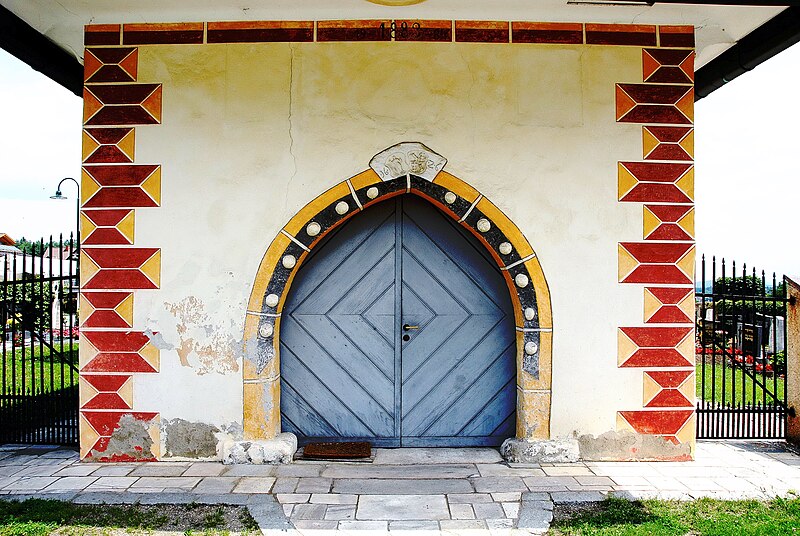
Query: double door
x=399, y=330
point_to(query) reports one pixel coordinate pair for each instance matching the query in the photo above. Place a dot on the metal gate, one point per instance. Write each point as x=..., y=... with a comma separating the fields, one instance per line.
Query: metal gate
x=741, y=353
x=39, y=337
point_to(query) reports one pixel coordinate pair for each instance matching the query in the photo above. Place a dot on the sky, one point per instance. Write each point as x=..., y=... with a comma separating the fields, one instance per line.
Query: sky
x=746, y=170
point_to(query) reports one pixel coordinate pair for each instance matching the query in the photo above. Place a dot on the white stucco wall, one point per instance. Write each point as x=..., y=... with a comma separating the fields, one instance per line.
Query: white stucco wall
x=251, y=133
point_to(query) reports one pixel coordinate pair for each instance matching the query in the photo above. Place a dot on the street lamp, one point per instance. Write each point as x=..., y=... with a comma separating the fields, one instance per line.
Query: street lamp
x=58, y=195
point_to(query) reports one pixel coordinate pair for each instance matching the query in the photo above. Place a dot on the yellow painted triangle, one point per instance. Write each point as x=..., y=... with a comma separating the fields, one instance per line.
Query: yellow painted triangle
x=688, y=143
x=650, y=389
x=152, y=268
x=686, y=183
x=623, y=425
x=649, y=65
x=87, y=227
x=89, y=186
x=86, y=353
x=624, y=103
x=86, y=309
x=687, y=305
x=152, y=185
x=625, y=181
x=687, y=434
x=130, y=63
x=90, y=64
x=88, y=269
x=126, y=226
x=152, y=104
x=686, y=264
x=128, y=144
x=687, y=222
x=89, y=145
x=152, y=355
x=651, y=305
x=125, y=309
x=625, y=347
x=649, y=142
x=126, y=392
x=86, y=392
x=686, y=347
x=650, y=221
x=626, y=263
x=89, y=436
x=688, y=388
x=91, y=105
x=686, y=105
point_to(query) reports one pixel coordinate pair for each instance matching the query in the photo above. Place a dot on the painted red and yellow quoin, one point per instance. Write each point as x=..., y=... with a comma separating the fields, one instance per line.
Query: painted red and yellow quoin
x=663, y=262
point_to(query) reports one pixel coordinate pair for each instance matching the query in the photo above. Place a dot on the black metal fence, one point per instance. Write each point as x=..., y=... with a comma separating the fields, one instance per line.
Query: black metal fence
x=741, y=353
x=39, y=337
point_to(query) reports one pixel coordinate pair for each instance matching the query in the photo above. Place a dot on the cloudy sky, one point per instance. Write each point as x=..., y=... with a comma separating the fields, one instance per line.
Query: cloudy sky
x=746, y=167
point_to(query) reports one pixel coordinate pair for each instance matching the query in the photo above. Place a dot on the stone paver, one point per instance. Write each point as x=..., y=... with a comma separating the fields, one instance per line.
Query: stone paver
x=108, y=483
x=424, y=491
x=254, y=484
x=461, y=511
x=399, y=507
x=401, y=487
x=334, y=498
x=314, y=485
x=340, y=511
x=216, y=484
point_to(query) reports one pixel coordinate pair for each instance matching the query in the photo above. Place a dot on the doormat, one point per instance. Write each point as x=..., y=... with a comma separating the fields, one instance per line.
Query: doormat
x=337, y=451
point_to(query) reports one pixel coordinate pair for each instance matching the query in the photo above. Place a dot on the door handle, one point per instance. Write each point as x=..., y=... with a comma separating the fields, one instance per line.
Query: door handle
x=406, y=327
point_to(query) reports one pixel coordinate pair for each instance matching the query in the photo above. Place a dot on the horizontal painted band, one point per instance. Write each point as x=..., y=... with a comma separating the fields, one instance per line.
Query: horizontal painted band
x=534, y=330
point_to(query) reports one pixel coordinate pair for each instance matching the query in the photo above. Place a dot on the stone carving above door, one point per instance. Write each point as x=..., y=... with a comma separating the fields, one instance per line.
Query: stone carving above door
x=407, y=158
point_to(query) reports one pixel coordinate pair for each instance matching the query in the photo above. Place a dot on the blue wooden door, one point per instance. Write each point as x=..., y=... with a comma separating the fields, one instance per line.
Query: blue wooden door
x=399, y=330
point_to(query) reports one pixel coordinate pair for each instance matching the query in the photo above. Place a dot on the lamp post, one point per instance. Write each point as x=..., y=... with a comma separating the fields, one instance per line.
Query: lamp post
x=58, y=195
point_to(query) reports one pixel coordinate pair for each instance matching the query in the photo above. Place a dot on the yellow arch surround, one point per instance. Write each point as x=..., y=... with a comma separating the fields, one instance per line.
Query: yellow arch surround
x=513, y=253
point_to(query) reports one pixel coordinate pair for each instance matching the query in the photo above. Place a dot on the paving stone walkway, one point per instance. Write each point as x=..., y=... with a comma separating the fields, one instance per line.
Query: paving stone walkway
x=429, y=490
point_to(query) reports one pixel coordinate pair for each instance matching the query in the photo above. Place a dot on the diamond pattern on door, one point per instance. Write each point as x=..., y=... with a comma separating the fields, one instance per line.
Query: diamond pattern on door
x=350, y=370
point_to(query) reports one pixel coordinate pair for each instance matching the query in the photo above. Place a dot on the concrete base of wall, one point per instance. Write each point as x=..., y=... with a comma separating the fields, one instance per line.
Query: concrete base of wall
x=628, y=446
x=540, y=451
x=279, y=450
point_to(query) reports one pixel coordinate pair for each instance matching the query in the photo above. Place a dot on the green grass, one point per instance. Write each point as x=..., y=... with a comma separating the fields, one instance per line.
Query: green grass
x=730, y=385
x=619, y=517
x=37, y=517
x=35, y=365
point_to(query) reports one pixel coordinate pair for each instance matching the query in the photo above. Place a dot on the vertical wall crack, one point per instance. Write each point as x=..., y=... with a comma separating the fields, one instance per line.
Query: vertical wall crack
x=291, y=125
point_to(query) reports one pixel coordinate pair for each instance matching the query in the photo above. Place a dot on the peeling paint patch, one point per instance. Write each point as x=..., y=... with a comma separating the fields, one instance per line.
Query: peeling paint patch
x=618, y=446
x=189, y=439
x=132, y=440
x=203, y=343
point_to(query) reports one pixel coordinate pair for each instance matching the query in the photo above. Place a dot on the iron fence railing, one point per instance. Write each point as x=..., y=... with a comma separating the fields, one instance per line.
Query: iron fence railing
x=740, y=353
x=39, y=338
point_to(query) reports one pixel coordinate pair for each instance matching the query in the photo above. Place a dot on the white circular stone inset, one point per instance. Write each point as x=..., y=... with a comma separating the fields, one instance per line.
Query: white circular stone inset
x=372, y=193
x=289, y=261
x=530, y=313
x=266, y=330
x=521, y=280
x=505, y=248
x=272, y=300
x=484, y=225
x=531, y=347
x=342, y=207
x=313, y=229
x=450, y=198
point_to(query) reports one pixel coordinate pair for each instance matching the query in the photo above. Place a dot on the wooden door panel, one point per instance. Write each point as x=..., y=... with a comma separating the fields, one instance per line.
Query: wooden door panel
x=345, y=373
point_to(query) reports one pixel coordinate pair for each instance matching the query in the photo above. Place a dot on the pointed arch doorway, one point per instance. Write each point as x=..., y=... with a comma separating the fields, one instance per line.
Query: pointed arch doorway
x=399, y=330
